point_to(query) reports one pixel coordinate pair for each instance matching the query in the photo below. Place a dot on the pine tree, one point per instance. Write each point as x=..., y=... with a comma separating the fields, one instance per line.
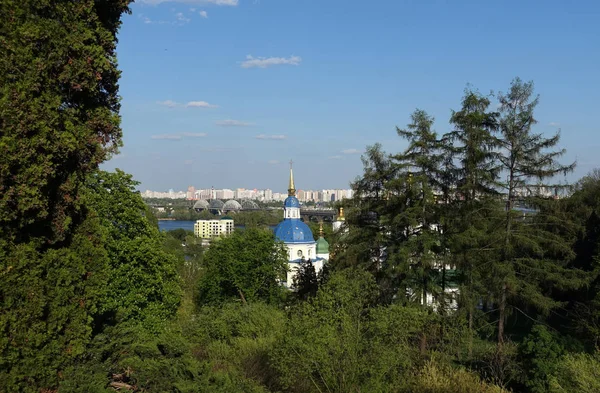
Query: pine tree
x=474, y=173
x=364, y=242
x=414, y=251
x=532, y=255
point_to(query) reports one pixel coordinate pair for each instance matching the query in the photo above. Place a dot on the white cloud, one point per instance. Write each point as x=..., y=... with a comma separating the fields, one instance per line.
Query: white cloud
x=554, y=124
x=194, y=134
x=274, y=137
x=191, y=104
x=168, y=103
x=189, y=162
x=232, y=3
x=273, y=162
x=203, y=14
x=192, y=10
x=264, y=62
x=335, y=157
x=233, y=123
x=200, y=104
x=182, y=18
x=351, y=151
x=167, y=136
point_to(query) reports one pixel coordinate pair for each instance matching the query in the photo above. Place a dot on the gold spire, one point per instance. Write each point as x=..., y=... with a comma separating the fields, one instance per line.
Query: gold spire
x=291, y=187
x=320, y=228
x=341, y=215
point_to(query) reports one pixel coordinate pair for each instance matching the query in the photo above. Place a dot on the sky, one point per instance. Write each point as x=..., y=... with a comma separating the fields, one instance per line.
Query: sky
x=225, y=93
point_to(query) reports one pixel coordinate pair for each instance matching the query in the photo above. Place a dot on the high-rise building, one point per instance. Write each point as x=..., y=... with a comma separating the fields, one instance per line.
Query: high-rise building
x=191, y=193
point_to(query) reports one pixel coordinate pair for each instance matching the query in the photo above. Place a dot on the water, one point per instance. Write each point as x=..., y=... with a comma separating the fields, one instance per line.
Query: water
x=169, y=225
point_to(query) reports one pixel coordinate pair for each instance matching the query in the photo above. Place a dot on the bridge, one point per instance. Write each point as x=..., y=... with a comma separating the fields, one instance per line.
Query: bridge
x=317, y=215
x=231, y=206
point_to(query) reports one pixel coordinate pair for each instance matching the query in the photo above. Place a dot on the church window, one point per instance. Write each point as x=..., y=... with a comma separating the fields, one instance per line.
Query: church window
x=300, y=253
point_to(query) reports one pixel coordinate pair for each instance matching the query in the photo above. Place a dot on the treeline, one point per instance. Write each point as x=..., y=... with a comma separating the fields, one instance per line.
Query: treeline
x=441, y=225
x=93, y=298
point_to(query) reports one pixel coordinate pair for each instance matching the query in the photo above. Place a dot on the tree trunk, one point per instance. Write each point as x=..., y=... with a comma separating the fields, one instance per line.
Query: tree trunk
x=502, y=316
x=505, y=260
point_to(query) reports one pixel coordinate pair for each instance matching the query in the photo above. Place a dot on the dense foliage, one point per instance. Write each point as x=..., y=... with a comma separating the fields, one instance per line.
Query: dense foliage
x=455, y=270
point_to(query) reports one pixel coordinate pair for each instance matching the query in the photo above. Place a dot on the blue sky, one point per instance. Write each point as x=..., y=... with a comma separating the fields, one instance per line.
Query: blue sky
x=224, y=93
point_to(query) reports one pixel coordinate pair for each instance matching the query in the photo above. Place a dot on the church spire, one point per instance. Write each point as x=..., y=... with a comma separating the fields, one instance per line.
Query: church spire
x=291, y=187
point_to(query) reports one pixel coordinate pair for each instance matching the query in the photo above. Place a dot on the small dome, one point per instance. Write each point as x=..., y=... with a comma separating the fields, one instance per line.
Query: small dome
x=249, y=204
x=291, y=201
x=201, y=205
x=216, y=204
x=293, y=231
x=322, y=246
x=232, y=205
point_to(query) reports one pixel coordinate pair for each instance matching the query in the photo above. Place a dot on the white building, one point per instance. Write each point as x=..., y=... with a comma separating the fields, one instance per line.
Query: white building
x=209, y=229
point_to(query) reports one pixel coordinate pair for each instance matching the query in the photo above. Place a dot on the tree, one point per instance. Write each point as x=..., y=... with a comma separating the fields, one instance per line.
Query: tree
x=540, y=353
x=474, y=177
x=306, y=282
x=59, y=109
x=142, y=278
x=248, y=265
x=365, y=242
x=413, y=211
x=527, y=258
x=59, y=120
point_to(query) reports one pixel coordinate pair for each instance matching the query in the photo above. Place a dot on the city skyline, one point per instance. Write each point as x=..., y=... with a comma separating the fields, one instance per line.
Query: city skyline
x=266, y=195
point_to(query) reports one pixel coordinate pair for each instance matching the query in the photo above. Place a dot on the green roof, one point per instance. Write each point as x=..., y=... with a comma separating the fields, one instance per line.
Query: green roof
x=322, y=246
x=226, y=218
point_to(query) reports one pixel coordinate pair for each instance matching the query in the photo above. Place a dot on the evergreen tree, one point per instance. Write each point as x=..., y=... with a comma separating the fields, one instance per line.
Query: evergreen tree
x=470, y=204
x=364, y=243
x=59, y=109
x=306, y=281
x=532, y=255
x=59, y=120
x=413, y=214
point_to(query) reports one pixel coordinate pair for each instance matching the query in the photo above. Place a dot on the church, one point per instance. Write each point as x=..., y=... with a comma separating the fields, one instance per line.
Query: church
x=298, y=238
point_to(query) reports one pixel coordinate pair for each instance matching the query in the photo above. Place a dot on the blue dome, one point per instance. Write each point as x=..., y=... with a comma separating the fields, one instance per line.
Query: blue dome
x=291, y=201
x=293, y=230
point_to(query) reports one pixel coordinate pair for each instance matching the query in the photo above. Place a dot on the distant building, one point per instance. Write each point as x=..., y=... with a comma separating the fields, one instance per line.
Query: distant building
x=209, y=229
x=191, y=193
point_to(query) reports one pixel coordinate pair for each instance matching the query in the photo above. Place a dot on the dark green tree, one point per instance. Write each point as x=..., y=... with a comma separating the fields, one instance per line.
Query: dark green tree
x=532, y=253
x=364, y=241
x=59, y=109
x=59, y=120
x=413, y=213
x=470, y=204
x=306, y=282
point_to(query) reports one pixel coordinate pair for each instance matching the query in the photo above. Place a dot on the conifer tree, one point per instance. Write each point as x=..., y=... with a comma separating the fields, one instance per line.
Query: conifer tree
x=529, y=248
x=475, y=170
x=414, y=214
x=59, y=109
x=59, y=120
